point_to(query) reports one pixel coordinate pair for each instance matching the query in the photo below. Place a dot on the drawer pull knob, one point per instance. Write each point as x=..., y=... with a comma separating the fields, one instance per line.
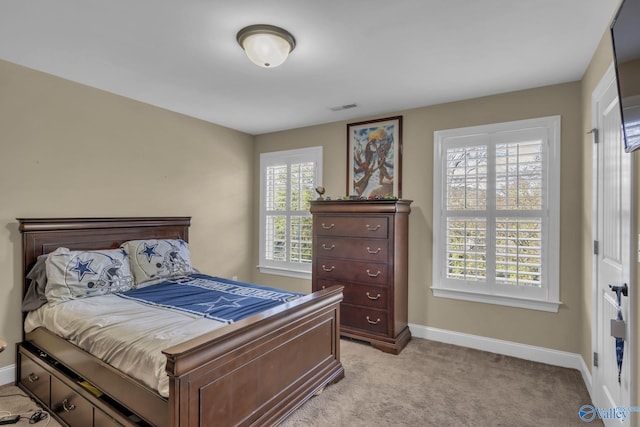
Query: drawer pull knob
x=373, y=322
x=328, y=248
x=377, y=297
x=372, y=274
x=33, y=378
x=328, y=269
x=328, y=227
x=372, y=227
x=68, y=407
x=373, y=252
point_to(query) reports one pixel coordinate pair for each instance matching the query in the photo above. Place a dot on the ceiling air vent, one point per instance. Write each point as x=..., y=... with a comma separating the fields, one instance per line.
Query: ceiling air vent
x=343, y=107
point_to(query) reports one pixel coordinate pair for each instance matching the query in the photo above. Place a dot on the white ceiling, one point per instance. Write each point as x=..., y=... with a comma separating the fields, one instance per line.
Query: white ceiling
x=385, y=56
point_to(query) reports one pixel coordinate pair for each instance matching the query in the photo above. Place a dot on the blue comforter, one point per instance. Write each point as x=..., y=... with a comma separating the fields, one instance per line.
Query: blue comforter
x=211, y=297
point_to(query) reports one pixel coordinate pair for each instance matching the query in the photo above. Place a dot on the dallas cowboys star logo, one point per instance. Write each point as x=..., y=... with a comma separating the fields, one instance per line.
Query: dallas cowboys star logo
x=149, y=251
x=221, y=303
x=82, y=268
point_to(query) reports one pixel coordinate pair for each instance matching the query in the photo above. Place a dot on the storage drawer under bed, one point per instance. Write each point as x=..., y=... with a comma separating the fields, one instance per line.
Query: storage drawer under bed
x=68, y=405
x=34, y=377
x=64, y=396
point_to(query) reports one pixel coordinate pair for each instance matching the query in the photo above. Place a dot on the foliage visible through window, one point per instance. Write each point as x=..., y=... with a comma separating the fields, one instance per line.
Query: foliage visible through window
x=289, y=179
x=518, y=187
x=494, y=217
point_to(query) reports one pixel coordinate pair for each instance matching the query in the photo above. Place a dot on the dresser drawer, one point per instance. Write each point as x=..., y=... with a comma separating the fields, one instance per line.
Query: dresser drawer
x=363, y=249
x=70, y=406
x=357, y=294
x=374, y=321
x=363, y=226
x=345, y=270
x=34, y=377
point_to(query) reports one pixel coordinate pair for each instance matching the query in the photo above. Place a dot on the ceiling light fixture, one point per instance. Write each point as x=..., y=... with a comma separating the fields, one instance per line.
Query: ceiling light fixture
x=266, y=45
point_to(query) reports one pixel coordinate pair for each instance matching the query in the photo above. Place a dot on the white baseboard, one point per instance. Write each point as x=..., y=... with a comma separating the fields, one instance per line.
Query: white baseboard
x=7, y=374
x=507, y=348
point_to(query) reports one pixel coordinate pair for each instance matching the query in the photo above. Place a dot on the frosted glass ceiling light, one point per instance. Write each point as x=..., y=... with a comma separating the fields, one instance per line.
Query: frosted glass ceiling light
x=266, y=45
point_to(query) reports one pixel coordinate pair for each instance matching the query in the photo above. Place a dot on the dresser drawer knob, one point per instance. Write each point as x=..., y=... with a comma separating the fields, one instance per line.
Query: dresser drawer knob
x=373, y=252
x=33, y=378
x=377, y=297
x=328, y=248
x=68, y=407
x=373, y=322
x=372, y=274
x=373, y=227
x=328, y=269
x=328, y=227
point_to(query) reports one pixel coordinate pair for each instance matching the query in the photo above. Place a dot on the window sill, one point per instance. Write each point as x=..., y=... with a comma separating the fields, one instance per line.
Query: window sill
x=531, y=304
x=298, y=274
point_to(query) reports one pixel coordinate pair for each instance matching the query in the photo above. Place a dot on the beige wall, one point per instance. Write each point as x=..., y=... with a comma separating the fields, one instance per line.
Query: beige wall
x=70, y=150
x=553, y=330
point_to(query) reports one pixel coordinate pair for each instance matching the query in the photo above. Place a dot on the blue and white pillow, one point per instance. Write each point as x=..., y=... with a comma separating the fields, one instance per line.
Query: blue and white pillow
x=154, y=260
x=81, y=274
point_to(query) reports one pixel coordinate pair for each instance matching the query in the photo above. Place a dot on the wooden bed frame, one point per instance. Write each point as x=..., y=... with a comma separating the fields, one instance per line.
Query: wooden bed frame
x=252, y=372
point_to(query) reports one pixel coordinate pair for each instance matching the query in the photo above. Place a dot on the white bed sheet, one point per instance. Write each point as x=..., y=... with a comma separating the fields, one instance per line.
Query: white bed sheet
x=128, y=335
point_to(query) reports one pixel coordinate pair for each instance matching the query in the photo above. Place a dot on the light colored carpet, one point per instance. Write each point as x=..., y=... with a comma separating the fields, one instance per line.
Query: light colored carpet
x=436, y=384
x=427, y=384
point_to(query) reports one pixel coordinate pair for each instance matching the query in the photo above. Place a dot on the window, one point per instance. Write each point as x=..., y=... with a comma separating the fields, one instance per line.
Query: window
x=497, y=213
x=287, y=185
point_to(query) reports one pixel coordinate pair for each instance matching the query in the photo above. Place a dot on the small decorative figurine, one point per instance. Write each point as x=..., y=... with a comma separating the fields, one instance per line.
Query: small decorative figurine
x=320, y=190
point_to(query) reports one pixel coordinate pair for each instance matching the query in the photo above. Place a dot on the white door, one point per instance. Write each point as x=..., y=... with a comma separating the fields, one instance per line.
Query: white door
x=612, y=263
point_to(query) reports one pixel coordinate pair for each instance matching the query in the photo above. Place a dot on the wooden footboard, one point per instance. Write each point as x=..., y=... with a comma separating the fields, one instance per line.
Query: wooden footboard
x=257, y=372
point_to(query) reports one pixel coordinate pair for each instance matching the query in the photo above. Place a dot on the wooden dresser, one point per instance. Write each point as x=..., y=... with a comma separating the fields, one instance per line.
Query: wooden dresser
x=363, y=246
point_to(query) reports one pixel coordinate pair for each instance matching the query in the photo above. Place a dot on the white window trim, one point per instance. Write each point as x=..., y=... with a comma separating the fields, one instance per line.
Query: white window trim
x=550, y=300
x=314, y=154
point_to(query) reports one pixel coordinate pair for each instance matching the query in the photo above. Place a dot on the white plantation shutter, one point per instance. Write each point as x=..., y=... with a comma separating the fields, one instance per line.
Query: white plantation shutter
x=277, y=188
x=288, y=181
x=496, y=213
x=466, y=249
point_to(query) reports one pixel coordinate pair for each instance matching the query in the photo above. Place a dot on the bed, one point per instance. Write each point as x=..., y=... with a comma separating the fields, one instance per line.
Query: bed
x=255, y=371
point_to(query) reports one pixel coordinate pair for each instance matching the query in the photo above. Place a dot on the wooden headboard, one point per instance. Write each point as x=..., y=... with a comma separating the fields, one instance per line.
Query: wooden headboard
x=43, y=235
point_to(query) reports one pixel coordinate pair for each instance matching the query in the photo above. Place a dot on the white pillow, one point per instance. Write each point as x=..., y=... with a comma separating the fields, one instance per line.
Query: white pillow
x=81, y=274
x=153, y=260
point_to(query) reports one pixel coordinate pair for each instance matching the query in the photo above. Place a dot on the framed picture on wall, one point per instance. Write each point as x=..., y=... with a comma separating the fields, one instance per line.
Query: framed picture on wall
x=374, y=158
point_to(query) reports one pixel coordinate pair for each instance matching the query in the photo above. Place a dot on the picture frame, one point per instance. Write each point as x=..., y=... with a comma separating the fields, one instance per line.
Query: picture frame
x=374, y=158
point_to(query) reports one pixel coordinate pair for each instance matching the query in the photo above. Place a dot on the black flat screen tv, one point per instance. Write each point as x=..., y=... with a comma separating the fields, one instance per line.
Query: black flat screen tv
x=625, y=34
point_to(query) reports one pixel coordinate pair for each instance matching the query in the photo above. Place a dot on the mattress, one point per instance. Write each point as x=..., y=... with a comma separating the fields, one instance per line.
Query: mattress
x=126, y=334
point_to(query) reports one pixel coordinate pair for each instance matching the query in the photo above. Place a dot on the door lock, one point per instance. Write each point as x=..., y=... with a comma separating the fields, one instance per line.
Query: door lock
x=623, y=289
